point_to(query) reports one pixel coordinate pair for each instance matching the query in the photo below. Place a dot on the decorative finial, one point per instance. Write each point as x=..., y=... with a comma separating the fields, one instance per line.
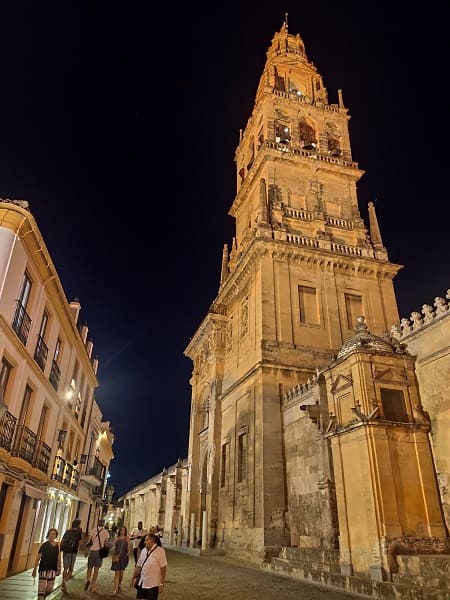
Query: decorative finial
x=286, y=21
x=361, y=325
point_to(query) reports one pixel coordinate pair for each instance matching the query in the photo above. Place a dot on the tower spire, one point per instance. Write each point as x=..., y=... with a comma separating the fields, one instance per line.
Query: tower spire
x=375, y=234
x=224, y=271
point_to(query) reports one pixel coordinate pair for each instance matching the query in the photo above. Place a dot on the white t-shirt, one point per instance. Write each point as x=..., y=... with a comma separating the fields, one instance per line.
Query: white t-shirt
x=137, y=533
x=151, y=571
x=98, y=540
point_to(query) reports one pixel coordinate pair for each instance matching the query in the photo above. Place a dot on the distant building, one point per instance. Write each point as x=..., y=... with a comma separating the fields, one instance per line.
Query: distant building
x=319, y=421
x=55, y=448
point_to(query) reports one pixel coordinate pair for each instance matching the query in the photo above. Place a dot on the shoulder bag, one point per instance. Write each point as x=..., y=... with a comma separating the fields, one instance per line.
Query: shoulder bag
x=138, y=577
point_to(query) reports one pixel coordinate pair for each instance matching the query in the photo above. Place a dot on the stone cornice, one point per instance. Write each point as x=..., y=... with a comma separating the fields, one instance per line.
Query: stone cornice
x=311, y=258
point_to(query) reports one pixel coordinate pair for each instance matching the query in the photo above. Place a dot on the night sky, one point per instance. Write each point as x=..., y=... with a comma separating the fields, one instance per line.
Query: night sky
x=118, y=124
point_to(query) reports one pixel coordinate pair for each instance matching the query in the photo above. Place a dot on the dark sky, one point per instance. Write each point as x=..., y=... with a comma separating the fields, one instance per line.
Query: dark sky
x=118, y=123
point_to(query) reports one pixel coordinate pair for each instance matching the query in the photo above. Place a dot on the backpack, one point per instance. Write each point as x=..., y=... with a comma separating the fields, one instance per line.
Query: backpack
x=70, y=541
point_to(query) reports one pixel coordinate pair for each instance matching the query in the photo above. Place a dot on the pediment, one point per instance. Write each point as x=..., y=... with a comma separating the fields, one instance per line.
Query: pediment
x=391, y=374
x=341, y=382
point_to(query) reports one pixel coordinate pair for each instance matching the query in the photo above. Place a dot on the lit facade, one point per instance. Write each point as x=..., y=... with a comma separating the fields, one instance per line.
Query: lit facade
x=319, y=421
x=54, y=447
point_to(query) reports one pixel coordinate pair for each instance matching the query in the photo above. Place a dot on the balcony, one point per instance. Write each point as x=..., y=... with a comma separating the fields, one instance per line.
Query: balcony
x=21, y=322
x=93, y=471
x=25, y=442
x=41, y=458
x=55, y=375
x=7, y=427
x=41, y=352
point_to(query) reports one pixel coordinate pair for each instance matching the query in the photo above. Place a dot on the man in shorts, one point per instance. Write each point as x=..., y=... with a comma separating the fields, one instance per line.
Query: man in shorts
x=98, y=537
x=69, y=546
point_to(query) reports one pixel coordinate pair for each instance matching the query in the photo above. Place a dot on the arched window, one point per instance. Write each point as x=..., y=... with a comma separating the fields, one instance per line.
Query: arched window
x=307, y=136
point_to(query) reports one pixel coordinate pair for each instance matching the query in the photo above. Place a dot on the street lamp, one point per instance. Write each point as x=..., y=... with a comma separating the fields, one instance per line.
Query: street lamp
x=109, y=492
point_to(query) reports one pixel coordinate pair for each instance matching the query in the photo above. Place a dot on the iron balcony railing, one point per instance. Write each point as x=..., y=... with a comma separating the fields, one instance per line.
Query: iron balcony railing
x=41, y=458
x=21, y=322
x=24, y=443
x=41, y=352
x=55, y=375
x=7, y=427
x=93, y=471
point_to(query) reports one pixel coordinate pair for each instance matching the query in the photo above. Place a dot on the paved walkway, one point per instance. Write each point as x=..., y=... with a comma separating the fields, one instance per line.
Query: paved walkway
x=188, y=578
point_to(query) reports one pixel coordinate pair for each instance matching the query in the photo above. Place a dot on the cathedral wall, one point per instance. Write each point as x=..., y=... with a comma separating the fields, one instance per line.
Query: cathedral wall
x=310, y=506
x=251, y=499
x=430, y=344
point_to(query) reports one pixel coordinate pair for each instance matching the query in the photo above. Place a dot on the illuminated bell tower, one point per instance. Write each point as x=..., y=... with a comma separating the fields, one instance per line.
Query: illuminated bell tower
x=301, y=269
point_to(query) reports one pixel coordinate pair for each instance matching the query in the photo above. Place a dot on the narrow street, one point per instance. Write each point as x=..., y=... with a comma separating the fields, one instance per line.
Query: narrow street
x=207, y=578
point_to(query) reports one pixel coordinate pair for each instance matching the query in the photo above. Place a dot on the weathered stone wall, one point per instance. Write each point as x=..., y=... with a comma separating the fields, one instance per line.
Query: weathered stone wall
x=427, y=337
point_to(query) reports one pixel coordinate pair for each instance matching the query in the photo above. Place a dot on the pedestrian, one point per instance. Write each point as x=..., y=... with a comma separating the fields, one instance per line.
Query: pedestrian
x=98, y=537
x=119, y=559
x=150, y=572
x=113, y=531
x=49, y=562
x=137, y=536
x=70, y=543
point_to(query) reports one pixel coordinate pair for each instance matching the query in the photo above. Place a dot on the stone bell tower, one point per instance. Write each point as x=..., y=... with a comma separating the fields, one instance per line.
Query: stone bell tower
x=301, y=267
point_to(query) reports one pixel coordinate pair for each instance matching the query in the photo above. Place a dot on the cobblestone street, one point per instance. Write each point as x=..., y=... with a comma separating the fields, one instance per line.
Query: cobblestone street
x=206, y=578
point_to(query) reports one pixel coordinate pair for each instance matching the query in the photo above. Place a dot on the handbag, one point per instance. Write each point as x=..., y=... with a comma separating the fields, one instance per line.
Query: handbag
x=115, y=558
x=104, y=550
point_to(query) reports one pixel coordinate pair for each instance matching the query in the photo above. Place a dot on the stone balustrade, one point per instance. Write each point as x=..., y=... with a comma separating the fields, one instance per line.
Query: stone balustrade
x=440, y=308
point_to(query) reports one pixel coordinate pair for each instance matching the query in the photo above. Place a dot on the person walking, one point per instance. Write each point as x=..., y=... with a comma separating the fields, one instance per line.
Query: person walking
x=137, y=536
x=98, y=537
x=150, y=572
x=70, y=543
x=48, y=562
x=119, y=560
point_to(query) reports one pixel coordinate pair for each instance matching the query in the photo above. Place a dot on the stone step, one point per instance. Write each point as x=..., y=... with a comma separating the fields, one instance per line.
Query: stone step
x=419, y=577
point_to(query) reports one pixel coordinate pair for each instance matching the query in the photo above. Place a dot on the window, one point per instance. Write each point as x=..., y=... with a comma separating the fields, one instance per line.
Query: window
x=309, y=310
x=225, y=459
x=25, y=291
x=73, y=385
x=307, y=136
x=282, y=133
x=58, y=349
x=41, y=352
x=5, y=373
x=24, y=411
x=353, y=309
x=85, y=405
x=394, y=407
x=79, y=396
x=42, y=423
x=21, y=322
x=55, y=372
x=242, y=457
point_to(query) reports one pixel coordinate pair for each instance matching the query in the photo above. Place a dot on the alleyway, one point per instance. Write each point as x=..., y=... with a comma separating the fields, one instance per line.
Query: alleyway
x=188, y=578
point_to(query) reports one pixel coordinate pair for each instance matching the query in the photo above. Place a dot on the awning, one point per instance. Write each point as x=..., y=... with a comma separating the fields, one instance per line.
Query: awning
x=34, y=492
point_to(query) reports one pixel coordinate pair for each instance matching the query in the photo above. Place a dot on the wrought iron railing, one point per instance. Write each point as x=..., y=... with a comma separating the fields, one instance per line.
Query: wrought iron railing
x=7, y=427
x=21, y=322
x=92, y=466
x=55, y=375
x=41, y=352
x=42, y=456
x=24, y=443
